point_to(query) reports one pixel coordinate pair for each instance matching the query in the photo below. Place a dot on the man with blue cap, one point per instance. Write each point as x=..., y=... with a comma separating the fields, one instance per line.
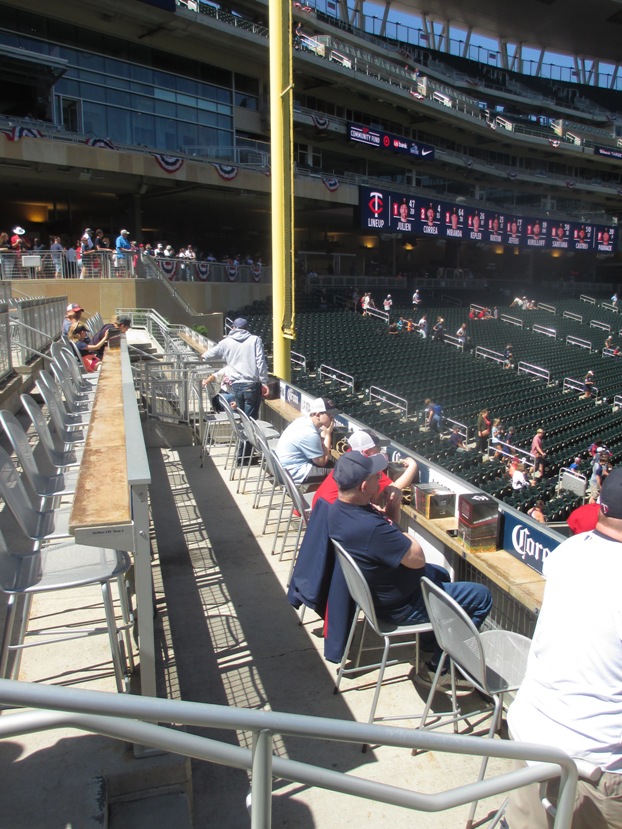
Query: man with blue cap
x=244, y=355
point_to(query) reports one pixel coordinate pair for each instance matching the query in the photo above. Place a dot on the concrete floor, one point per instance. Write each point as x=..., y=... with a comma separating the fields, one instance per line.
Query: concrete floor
x=225, y=634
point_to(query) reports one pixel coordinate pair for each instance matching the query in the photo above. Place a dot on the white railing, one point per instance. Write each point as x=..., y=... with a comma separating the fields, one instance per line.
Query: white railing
x=378, y=395
x=578, y=341
x=330, y=373
x=146, y=721
x=536, y=371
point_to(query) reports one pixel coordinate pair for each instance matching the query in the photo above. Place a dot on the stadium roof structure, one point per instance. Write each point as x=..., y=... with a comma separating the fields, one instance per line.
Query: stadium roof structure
x=577, y=27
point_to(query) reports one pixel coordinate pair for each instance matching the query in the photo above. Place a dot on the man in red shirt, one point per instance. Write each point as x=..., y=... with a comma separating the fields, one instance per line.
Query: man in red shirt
x=369, y=444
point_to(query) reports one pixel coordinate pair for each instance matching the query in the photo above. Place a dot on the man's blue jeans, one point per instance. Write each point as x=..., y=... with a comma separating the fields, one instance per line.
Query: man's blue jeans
x=475, y=599
x=247, y=396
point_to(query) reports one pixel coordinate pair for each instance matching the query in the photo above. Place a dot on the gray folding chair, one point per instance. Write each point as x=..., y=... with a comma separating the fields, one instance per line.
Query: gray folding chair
x=390, y=633
x=48, y=488
x=62, y=566
x=250, y=427
x=300, y=511
x=493, y=661
x=67, y=426
x=64, y=458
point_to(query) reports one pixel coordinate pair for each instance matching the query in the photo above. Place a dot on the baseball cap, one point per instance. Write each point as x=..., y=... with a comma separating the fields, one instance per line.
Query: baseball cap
x=125, y=321
x=125, y=233
x=322, y=404
x=18, y=231
x=611, y=495
x=353, y=468
x=72, y=307
x=240, y=322
x=363, y=440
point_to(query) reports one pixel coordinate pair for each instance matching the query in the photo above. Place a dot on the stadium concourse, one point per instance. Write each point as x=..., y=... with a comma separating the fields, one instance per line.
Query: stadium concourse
x=554, y=347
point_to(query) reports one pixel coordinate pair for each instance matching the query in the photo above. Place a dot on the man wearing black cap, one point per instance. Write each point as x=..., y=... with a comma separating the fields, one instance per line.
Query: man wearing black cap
x=244, y=354
x=571, y=697
x=391, y=561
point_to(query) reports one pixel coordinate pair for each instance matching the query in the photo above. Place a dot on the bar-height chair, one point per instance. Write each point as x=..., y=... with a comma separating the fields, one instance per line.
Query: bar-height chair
x=58, y=417
x=236, y=434
x=75, y=402
x=391, y=634
x=62, y=566
x=48, y=488
x=300, y=511
x=86, y=383
x=250, y=428
x=64, y=458
x=59, y=411
x=493, y=661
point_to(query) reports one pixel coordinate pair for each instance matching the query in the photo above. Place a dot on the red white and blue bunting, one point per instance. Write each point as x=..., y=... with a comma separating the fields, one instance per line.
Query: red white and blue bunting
x=169, y=268
x=227, y=172
x=256, y=271
x=331, y=184
x=102, y=143
x=203, y=269
x=169, y=163
x=321, y=122
x=231, y=269
x=22, y=132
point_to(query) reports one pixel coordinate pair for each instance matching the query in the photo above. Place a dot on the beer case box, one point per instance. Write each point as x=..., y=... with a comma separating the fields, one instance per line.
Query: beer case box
x=478, y=545
x=478, y=523
x=475, y=508
x=434, y=501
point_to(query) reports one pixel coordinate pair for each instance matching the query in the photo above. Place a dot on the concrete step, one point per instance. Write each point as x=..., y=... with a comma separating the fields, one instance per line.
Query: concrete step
x=162, y=811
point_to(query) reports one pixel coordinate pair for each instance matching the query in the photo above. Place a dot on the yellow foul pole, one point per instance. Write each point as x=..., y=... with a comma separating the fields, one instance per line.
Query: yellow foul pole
x=282, y=180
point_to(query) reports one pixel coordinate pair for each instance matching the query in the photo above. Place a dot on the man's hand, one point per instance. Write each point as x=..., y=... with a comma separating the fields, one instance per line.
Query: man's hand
x=265, y=390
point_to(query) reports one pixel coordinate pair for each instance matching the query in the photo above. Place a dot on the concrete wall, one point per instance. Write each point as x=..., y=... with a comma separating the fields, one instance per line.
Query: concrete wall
x=211, y=301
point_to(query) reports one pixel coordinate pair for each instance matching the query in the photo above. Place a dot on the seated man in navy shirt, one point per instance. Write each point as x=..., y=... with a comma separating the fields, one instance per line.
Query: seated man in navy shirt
x=391, y=561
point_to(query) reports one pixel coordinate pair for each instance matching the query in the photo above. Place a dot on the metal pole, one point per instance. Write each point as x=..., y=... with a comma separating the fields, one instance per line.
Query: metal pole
x=261, y=786
x=282, y=196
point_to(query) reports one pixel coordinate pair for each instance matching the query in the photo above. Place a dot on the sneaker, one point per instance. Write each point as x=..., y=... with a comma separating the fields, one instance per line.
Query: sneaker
x=426, y=675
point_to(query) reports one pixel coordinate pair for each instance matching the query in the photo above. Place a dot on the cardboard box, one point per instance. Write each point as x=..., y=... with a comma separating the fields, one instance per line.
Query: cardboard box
x=434, y=501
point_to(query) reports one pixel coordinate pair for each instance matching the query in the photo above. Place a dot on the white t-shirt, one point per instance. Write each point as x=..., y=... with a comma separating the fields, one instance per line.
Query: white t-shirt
x=571, y=696
x=298, y=444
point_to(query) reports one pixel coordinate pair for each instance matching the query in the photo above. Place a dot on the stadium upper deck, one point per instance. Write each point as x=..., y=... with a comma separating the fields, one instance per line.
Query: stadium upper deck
x=129, y=126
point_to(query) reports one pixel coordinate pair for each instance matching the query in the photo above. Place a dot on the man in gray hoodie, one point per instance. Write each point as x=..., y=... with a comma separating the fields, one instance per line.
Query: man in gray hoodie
x=244, y=355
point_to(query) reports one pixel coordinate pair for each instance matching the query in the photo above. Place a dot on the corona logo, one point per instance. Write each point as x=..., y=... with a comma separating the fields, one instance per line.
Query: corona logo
x=376, y=203
x=526, y=546
x=396, y=457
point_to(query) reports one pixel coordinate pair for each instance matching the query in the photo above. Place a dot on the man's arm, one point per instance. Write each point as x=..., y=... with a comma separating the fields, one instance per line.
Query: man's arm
x=212, y=353
x=327, y=440
x=415, y=557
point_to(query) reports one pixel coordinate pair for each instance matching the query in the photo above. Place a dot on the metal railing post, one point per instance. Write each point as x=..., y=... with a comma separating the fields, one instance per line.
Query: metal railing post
x=261, y=781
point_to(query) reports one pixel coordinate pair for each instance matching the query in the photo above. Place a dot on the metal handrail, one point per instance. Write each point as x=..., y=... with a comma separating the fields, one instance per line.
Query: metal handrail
x=125, y=717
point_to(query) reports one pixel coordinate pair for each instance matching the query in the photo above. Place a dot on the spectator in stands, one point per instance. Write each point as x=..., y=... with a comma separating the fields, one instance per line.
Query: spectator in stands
x=600, y=470
x=416, y=299
x=368, y=444
x=387, y=303
x=538, y=454
x=508, y=356
x=392, y=562
x=574, y=466
x=588, y=384
x=483, y=430
x=71, y=259
x=519, y=478
x=537, y=512
x=392, y=330
x=120, y=325
x=608, y=342
x=434, y=415
x=497, y=433
x=78, y=335
x=461, y=333
x=422, y=327
x=438, y=330
x=456, y=441
x=244, y=354
x=366, y=303
x=72, y=315
x=123, y=249
x=305, y=446
x=614, y=299
x=57, y=249
x=571, y=695
x=224, y=381
x=495, y=313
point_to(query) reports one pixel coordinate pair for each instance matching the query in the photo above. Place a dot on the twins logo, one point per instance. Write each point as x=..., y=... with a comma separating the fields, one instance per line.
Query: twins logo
x=376, y=203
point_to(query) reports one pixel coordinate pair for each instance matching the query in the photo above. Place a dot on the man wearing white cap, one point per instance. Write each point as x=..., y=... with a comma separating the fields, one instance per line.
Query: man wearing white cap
x=123, y=247
x=244, y=355
x=369, y=444
x=304, y=447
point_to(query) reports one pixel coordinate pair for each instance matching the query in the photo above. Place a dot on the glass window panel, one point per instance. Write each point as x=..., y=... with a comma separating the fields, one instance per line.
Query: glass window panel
x=224, y=110
x=92, y=93
x=95, y=120
x=164, y=109
x=141, y=88
x=163, y=80
x=117, y=68
x=244, y=83
x=187, y=135
x=207, y=106
x=187, y=85
x=141, y=73
x=90, y=77
x=143, y=127
x=67, y=87
x=187, y=100
x=141, y=103
x=164, y=95
x=187, y=114
x=208, y=119
x=246, y=101
x=96, y=63
x=225, y=122
x=166, y=134
x=115, y=96
x=119, y=125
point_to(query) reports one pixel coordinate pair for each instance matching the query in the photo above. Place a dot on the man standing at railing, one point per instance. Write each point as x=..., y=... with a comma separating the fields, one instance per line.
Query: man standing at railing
x=244, y=354
x=571, y=696
x=123, y=249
